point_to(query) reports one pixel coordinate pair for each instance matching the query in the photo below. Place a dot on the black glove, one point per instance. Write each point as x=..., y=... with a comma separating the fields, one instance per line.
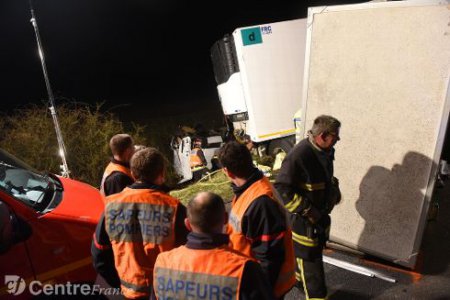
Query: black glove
x=336, y=196
x=312, y=214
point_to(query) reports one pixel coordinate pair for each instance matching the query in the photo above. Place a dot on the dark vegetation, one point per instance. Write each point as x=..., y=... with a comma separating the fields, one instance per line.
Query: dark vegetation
x=28, y=133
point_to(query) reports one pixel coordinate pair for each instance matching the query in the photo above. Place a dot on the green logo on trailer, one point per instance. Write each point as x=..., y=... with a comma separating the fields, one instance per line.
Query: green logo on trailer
x=251, y=36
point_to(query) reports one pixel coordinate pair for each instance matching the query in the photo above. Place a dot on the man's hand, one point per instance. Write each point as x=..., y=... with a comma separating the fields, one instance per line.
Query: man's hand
x=312, y=214
x=336, y=196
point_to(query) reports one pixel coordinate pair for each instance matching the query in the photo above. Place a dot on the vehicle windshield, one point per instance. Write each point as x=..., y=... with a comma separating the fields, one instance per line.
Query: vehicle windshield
x=23, y=183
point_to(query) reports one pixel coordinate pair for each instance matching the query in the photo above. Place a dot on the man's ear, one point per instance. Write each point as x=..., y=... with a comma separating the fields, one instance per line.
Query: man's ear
x=225, y=221
x=320, y=139
x=127, y=154
x=323, y=136
x=228, y=173
x=187, y=224
x=161, y=178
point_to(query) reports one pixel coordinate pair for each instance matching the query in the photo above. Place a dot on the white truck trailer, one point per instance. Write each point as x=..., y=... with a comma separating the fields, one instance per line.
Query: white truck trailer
x=259, y=75
x=383, y=70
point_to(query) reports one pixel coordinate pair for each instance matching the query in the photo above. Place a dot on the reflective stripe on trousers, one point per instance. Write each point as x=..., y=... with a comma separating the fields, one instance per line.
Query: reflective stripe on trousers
x=312, y=276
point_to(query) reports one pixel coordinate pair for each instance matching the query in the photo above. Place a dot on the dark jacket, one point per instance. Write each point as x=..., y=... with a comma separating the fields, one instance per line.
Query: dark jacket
x=263, y=221
x=305, y=182
x=308, y=172
x=101, y=250
x=117, y=181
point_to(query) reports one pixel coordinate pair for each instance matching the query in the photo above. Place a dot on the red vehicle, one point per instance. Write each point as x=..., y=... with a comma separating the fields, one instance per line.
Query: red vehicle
x=46, y=227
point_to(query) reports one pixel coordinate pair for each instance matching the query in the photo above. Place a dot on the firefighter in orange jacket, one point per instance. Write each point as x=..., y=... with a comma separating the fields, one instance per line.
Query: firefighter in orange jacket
x=257, y=223
x=206, y=267
x=116, y=177
x=141, y=222
x=117, y=174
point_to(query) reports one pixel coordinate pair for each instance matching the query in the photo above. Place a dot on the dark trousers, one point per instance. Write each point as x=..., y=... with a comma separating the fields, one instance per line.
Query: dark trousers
x=312, y=277
x=309, y=241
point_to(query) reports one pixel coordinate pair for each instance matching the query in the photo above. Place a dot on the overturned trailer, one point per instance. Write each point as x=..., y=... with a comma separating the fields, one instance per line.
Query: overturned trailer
x=259, y=74
x=383, y=70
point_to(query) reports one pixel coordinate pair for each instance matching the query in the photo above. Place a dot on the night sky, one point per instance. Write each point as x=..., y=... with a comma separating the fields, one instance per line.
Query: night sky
x=146, y=54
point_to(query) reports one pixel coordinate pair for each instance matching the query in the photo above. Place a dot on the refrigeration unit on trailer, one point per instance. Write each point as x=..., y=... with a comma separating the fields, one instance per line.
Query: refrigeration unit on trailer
x=259, y=75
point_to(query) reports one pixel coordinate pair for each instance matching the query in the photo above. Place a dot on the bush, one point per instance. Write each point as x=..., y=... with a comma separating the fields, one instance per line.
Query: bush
x=29, y=134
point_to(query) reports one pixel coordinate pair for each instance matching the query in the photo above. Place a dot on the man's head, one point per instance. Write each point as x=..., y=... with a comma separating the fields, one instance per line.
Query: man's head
x=325, y=131
x=206, y=213
x=236, y=160
x=197, y=142
x=148, y=165
x=122, y=147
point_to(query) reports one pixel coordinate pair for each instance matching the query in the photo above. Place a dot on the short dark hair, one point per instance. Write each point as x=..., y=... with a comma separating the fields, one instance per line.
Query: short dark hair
x=325, y=124
x=119, y=143
x=206, y=213
x=237, y=159
x=147, y=164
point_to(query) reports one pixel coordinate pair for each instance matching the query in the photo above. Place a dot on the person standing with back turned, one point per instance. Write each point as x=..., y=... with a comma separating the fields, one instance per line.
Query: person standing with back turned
x=141, y=222
x=116, y=177
x=257, y=223
x=117, y=174
x=206, y=267
x=309, y=191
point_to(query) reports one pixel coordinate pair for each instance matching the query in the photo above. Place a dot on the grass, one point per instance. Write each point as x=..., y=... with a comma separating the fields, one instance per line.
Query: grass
x=215, y=182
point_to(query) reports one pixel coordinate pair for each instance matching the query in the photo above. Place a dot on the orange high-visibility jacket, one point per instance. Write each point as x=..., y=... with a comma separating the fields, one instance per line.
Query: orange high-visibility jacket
x=239, y=242
x=195, y=160
x=140, y=224
x=112, y=167
x=185, y=273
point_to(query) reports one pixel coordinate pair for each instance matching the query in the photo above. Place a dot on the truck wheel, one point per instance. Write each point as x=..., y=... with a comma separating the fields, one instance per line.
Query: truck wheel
x=281, y=145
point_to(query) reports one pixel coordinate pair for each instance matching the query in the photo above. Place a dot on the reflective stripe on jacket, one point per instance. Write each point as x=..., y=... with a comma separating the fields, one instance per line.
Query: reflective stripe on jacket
x=185, y=273
x=239, y=242
x=113, y=167
x=140, y=224
x=306, y=178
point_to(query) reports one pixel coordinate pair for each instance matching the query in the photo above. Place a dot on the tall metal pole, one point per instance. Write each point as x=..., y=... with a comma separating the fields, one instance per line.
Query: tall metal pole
x=62, y=148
